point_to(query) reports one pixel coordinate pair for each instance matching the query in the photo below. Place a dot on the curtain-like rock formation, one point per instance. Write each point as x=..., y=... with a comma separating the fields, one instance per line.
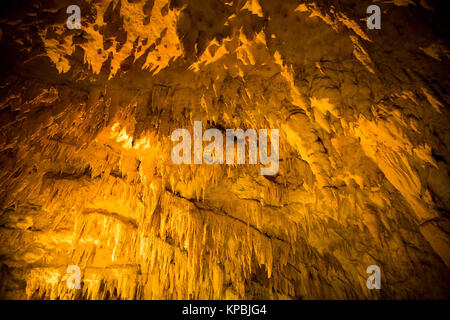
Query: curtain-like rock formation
x=86, y=176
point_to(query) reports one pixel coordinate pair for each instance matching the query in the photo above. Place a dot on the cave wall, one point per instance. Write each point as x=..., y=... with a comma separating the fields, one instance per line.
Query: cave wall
x=86, y=176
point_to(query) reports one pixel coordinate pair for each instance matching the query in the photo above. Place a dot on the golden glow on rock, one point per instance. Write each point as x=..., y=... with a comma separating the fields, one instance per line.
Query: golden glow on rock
x=86, y=175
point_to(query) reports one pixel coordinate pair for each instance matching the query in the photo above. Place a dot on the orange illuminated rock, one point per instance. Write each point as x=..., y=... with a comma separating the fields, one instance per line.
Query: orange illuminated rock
x=87, y=178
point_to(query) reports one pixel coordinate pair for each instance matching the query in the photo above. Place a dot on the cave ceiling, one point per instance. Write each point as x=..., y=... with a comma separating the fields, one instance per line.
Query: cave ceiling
x=86, y=177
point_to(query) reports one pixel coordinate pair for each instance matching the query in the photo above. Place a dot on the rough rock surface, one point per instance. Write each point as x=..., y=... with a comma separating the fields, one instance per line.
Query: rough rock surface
x=86, y=177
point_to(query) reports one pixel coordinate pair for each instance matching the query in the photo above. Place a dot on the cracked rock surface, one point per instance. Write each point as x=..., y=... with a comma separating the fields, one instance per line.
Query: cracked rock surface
x=86, y=176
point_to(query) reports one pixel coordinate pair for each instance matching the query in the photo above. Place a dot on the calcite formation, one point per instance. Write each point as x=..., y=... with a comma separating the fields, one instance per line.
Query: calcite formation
x=86, y=176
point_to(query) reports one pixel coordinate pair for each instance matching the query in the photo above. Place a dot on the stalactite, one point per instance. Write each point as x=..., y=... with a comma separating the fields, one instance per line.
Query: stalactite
x=87, y=177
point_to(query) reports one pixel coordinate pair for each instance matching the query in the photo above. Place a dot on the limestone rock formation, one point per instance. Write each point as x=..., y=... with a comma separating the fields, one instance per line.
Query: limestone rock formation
x=86, y=176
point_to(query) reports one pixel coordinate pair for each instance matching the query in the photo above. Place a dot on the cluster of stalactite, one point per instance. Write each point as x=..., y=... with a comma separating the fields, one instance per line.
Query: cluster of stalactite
x=86, y=176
